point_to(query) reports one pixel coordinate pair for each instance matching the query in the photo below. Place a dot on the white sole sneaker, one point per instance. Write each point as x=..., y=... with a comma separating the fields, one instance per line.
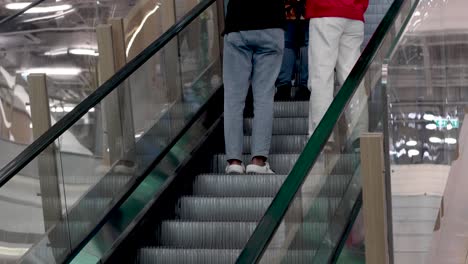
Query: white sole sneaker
x=235, y=169
x=252, y=168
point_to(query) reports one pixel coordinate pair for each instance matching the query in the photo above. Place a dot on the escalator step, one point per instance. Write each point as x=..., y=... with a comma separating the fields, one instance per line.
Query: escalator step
x=281, y=144
x=310, y=235
x=150, y=255
x=222, y=209
x=321, y=210
x=188, y=256
x=291, y=109
x=215, y=235
x=335, y=185
x=280, y=109
x=286, y=109
x=237, y=185
x=248, y=209
x=223, y=185
x=283, y=126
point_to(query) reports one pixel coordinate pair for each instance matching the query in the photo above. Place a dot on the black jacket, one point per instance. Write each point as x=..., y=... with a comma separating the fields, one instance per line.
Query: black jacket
x=254, y=14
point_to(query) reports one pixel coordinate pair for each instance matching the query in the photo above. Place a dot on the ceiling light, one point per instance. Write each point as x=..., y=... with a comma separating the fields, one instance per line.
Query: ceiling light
x=435, y=140
x=450, y=141
x=411, y=143
x=10, y=251
x=37, y=10
x=431, y=126
x=428, y=117
x=57, y=15
x=413, y=152
x=88, y=52
x=51, y=71
x=412, y=115
x=56, y=52
x=68, y=108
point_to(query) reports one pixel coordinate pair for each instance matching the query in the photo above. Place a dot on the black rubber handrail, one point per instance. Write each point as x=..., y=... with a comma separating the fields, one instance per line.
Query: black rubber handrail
x=35, y=148
x=19, y=13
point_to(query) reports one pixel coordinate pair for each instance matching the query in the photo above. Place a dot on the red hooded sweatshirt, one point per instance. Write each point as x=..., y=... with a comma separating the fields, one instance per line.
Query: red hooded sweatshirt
x=352, y=9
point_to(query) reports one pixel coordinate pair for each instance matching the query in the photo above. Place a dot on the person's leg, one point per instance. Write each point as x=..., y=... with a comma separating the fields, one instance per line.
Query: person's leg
x=324, y=40
x=303, y=71
x=349, y=52
x=283, y=83
x=267, y=58
x=237, y=68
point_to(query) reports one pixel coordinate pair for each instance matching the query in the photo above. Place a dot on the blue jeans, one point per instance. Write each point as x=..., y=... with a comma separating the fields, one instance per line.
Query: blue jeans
x=250, y=57
x=296, y=45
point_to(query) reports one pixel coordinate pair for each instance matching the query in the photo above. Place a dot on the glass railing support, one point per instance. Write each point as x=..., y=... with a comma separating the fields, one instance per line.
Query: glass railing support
x=374, y=198
x=48, y=174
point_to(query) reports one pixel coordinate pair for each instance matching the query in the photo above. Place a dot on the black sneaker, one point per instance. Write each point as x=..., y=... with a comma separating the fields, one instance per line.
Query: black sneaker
x=283, y=93
x=302, y=93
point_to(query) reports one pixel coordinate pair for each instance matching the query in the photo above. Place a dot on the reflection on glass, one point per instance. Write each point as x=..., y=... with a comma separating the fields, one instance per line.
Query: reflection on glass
x=58, y=38
x=427, y=105
x=65, y=191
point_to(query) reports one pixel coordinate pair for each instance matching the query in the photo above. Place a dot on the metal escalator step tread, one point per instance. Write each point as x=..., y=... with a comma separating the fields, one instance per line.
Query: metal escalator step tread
x=188, y=256
x=150, y=255
x=286, y=109
x=310, y=235
x=222, y=209
x=237, y=209
x=283, y=126
x=215, y=235
x=281, y=143
x=237, y=185
x=280, y=109
x=291, y=109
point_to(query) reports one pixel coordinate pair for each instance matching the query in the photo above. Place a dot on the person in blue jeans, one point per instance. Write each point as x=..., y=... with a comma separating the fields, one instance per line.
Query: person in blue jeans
x=295, y=50
x=253, y=51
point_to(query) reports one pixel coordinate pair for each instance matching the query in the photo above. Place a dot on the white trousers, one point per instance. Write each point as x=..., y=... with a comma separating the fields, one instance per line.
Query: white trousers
x=334, y=45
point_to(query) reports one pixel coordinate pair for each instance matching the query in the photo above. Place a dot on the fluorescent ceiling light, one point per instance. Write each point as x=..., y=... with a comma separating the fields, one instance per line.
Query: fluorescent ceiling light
x=7, y=251
x=51, y=71
x=428, y=117
x=411, y=143
x=412, y=115
x=450, y=141
x=89, y=52
x=413, y=152
x=37, y=10
x=435, y=140
x=56, y=52
x=431, y=126
x=56, y=16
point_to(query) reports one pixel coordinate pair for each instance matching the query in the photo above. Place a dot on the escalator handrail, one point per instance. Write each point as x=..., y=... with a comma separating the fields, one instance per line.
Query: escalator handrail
x=271, y=220
x=35, y=148
x=337, y=250
x=19, y=13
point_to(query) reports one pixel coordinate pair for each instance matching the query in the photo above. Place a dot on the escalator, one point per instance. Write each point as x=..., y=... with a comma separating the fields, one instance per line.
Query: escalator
x=174, y=204
x=214, y=214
